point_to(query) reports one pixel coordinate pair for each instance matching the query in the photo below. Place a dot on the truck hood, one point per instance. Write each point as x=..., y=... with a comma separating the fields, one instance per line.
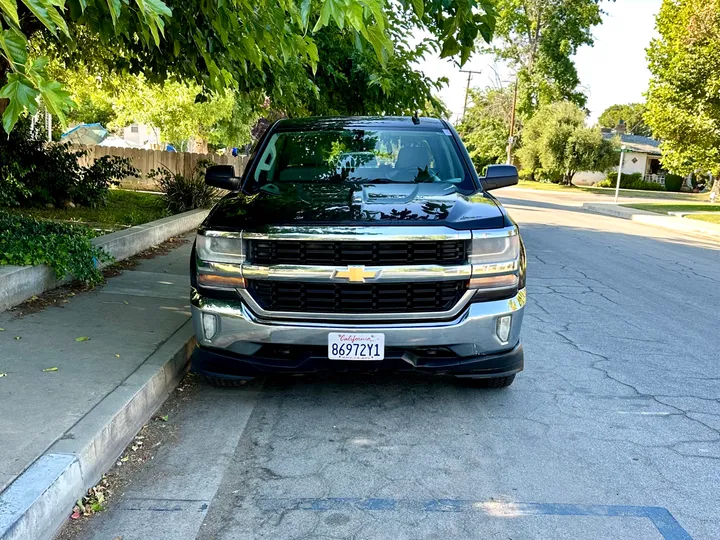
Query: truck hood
x=356, y=204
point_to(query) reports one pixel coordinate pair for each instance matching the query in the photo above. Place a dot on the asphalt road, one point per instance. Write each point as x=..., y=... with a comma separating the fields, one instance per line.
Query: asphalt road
x=612, y=430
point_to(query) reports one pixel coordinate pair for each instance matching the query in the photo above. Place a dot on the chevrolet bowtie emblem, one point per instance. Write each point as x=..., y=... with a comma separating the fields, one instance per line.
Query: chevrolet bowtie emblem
x=356, y=274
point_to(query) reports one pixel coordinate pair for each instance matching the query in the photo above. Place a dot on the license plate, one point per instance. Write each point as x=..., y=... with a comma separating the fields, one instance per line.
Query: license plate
x=356, y=346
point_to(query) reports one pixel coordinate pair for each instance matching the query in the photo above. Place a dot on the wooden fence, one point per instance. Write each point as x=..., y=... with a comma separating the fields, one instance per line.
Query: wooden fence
x=147, y=160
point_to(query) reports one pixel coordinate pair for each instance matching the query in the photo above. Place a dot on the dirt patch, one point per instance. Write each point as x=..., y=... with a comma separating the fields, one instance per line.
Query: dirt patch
x=62, y=295
x=159, y=432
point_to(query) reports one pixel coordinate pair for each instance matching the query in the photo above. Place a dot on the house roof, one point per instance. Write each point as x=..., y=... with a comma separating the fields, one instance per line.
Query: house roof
x=638, y=143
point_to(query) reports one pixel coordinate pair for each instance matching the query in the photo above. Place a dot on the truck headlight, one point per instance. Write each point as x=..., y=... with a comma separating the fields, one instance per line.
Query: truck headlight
x=495, y=259
x=214, y=246
x=219, y=260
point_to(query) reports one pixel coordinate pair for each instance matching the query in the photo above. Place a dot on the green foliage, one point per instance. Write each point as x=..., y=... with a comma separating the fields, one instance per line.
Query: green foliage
x=250, y=46
x=632, y=114
x=683, y=108
x=557, y=140
x=33, y=172
x=93, y=183
x=486, y=125
x=673, y=182
x=182, y=112
x=66, y=248
x=630, y=181
x=182, y=193
x=539, y=39
x=353, y=81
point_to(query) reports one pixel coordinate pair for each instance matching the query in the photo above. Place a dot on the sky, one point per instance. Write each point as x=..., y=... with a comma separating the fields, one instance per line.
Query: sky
x=613, y=71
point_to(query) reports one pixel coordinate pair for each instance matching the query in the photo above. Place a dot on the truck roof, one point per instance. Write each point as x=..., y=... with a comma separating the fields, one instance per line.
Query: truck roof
x=345, y=122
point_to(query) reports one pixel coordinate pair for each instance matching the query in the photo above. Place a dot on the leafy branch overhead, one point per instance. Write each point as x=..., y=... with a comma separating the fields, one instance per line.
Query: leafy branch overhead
x=244, y=45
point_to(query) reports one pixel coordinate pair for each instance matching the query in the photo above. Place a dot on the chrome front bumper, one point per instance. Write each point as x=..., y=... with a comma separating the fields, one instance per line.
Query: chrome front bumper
x=471, y=333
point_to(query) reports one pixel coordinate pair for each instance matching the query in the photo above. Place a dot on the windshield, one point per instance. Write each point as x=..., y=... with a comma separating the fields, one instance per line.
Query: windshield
x=363, y=156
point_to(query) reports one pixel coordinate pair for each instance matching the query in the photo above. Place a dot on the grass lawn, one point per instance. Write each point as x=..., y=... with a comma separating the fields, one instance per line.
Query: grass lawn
x=712, y=218
x=640, y=194
x=665, y=208
x=124, y=209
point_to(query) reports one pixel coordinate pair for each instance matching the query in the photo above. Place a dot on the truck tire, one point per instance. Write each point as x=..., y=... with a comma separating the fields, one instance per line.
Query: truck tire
x=495, y=382
x=221, y=382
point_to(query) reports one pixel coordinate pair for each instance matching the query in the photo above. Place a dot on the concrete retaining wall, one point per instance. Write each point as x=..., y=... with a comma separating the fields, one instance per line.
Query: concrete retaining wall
x=18, y=283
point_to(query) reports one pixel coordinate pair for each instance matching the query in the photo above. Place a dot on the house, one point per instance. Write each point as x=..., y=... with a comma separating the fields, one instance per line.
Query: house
x=642, y=155
x=142, y=136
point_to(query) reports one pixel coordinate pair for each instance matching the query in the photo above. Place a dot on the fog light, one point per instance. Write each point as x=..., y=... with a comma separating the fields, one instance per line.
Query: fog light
x=502, y=328
x=209, y=325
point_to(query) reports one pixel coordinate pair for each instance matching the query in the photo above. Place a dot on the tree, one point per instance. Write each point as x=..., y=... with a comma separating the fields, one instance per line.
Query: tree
x=243, y=45
x=352, y=81
x=181, y=111
x=557, y=140
x=486, y=125
x=632, y=114
x=539, y=38
x=683, y=108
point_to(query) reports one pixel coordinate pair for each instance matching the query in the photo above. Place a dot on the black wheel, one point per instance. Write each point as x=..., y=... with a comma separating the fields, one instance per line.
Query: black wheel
x=221, y=382
x=495, y=382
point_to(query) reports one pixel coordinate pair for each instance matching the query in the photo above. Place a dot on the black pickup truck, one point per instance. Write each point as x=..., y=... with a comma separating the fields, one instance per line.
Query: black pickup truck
x=360, y=243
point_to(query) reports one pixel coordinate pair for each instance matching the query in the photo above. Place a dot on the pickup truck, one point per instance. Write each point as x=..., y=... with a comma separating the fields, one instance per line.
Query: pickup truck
x=360, y=243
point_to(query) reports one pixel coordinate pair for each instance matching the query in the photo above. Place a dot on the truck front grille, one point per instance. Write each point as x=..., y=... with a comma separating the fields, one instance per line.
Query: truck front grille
x=352, y=298
x=374, y=253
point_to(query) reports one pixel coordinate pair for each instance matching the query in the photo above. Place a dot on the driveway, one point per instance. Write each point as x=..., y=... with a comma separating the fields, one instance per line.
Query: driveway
x=612, y=430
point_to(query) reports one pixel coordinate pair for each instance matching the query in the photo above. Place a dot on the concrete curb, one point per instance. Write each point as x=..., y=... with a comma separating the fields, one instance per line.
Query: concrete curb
x=18, y=283
x=674, y=223
x=39, y=501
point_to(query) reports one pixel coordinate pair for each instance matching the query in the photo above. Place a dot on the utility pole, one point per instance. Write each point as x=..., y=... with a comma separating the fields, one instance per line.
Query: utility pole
x=467, y=88
x=617, y=186
x=511, y=138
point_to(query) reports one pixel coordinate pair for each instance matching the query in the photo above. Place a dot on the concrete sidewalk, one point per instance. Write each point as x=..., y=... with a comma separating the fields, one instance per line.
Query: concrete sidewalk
x=675, y=223
x=139, y=341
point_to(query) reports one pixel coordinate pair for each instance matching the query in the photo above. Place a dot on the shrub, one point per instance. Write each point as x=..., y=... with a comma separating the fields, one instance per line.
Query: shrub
x=673, y=182
x=526, y=175
x=182, y=193
x=33, y=172
x=66, y=248
x=94, y=182
x=630, y=181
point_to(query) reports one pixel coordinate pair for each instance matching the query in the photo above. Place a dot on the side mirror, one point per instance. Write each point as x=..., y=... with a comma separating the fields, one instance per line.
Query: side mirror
x=498, y=176
x=222, y=176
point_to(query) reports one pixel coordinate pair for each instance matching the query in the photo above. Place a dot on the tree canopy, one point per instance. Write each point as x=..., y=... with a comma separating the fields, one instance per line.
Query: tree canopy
x=352, y=80
x=683, y=107
x=632, y=114
x=182, y=111
x=556, y=140
x=486, y=125
x=539, y=38
x=243, y=45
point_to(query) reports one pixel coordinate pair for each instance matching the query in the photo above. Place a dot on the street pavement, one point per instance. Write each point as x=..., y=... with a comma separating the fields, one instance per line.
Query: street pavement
x=612, y=430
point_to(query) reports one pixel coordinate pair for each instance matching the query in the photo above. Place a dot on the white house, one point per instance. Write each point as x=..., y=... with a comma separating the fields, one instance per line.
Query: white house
x=642, y=156
x=142, y=135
